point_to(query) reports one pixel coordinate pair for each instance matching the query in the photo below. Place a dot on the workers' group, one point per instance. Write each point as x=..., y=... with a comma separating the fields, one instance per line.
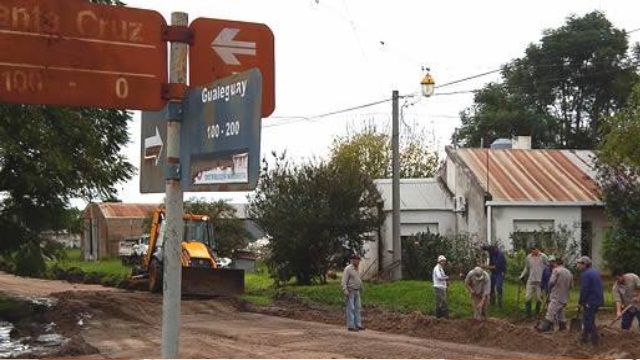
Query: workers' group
x=548, y=284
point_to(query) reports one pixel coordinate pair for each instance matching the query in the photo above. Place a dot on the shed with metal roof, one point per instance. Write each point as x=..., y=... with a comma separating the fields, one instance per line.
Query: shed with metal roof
x=106, y=224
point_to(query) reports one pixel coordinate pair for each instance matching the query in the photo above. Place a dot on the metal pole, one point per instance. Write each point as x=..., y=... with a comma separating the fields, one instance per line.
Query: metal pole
x=395, y=161
x=174, y=207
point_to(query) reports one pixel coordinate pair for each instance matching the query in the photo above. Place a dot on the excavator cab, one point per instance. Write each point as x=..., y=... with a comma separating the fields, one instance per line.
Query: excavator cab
x=200, y=273
x=198, y=244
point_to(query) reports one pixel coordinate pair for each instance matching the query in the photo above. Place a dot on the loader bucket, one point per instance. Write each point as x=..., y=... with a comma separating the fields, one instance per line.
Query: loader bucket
x=212, y=282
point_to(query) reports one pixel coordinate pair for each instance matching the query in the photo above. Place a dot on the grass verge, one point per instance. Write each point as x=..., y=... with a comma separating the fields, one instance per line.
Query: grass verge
x=401, y=296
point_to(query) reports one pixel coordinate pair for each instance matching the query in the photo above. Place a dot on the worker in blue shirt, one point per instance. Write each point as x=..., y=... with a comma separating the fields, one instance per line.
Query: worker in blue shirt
x=591, y=298
x=498, y=267
x=544, y=283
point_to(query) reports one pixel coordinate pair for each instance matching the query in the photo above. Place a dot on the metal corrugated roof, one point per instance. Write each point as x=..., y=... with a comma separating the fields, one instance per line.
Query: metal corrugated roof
x=124, y=210
x=532, y=175
x=415, y=194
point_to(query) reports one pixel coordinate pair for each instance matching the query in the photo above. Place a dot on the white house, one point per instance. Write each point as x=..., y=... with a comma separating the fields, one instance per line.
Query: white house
x=424, y=206
x=519, y=190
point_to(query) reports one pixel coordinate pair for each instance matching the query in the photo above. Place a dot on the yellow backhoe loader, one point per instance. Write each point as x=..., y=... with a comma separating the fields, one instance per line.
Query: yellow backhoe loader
x=202, y=273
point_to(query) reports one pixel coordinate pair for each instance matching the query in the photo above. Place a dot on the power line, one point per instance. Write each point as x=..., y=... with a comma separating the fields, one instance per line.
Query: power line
x=467, y=78
x=299, y=118
x=337, y=112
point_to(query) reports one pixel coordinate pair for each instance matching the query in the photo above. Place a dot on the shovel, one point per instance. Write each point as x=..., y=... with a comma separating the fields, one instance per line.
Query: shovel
x=617, y=318
x=543, y=311
x=576, y=324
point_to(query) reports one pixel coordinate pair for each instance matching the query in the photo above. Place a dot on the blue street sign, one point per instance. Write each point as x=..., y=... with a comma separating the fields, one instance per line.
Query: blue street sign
x=220, y=135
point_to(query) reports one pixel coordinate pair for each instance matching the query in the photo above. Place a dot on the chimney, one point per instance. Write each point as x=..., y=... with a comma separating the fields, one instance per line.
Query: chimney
x=521, y=142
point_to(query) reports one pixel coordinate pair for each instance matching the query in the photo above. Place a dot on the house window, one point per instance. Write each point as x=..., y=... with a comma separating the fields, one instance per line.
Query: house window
x=412, y=229
x=527, y=232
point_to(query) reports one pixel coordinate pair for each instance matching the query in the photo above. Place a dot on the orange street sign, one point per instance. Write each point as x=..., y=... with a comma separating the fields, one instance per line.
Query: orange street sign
x=76, y=53
x=223, y=47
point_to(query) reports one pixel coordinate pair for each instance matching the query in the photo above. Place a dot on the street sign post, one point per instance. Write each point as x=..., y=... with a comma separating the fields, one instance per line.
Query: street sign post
x=220, y=140
x=224, y=47
x=76, y=53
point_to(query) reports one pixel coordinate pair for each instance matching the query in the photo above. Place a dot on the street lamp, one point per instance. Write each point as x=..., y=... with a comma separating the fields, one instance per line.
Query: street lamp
x=428, y=86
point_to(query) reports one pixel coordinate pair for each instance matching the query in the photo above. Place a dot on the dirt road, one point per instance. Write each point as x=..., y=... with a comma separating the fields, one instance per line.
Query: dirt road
x=121, y=324
x=125, y=324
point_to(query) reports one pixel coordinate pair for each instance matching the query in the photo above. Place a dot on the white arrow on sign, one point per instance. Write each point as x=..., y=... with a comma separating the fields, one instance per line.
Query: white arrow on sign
x=227, y=48
x=153, y=146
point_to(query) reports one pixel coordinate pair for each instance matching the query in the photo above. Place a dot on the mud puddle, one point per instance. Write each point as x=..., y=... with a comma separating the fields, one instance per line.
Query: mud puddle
x=28, y=328
x=10, y=348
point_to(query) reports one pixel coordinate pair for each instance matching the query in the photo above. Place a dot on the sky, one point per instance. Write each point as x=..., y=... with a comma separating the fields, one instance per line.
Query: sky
x=332, y=55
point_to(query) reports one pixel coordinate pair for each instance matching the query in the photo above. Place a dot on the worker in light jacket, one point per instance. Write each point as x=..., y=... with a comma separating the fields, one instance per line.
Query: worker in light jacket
x=351, y=284
x=440, y=279
x=534, y=266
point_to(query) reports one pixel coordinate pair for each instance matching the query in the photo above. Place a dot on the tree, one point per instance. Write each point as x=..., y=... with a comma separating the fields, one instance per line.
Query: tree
x=560, y=91
x=492, y=117
x=313, y=213
x=228, y=231
x=49, y=155
x=370, y=149
x=619, y=174
x=621, y=192
x=620, y=144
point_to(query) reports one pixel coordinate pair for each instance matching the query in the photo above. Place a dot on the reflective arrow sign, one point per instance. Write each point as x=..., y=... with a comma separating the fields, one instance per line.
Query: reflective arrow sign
x=153, y=147
x=227, y=48
x=153, y=129
x=223, y=47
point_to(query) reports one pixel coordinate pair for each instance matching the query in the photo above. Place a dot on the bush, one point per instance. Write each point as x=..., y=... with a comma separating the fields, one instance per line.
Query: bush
x=420, y=253
x=559, y=241
x=74, y=274
x=28, y=260
x=515, y=264
x=621, y=251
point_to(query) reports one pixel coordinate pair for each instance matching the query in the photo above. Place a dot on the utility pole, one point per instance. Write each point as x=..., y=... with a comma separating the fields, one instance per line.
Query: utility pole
x=172, y=269
x=395, y=166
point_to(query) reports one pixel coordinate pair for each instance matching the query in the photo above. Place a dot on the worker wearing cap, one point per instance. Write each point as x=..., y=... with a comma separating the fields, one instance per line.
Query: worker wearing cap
x=559, y=288
x=591, y=298
x=440, y=287
x=498, y=267
x=626, y=294
x=534, y=266
x=478, y=282
x=351, y=284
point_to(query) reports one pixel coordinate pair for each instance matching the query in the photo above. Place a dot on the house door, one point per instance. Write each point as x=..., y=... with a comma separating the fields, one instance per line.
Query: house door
x=90, y=240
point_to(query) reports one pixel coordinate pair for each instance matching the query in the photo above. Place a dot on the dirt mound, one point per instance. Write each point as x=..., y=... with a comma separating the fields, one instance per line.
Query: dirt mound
x=496, y=333
x=140, y=307
x=75, y=346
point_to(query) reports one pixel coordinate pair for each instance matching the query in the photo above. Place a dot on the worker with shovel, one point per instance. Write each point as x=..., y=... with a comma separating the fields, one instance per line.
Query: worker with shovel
x=591, y=298
x=558, y=295
x=534, y=266
x=478, y=282
x=498, y=267
x=626, y=294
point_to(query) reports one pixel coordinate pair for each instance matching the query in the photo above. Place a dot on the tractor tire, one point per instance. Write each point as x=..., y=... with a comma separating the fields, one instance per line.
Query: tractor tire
x=155, y=276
